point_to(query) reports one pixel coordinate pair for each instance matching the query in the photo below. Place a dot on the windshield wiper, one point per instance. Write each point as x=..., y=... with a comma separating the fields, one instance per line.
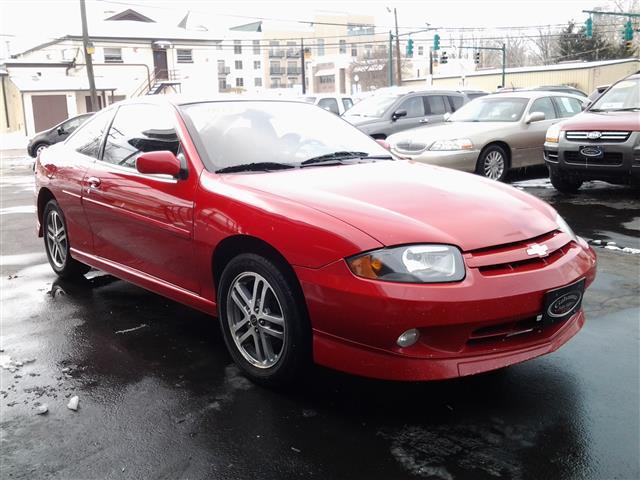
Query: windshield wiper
x=255, y=167
x=338, y=157
x=627, y=109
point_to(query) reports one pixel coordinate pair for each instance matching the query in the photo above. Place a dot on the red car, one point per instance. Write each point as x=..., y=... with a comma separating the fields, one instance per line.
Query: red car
x=309, y=242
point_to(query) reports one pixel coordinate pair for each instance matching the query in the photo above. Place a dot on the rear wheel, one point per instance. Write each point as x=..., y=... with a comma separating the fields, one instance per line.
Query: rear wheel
x=493, y=163
x=564, y=183
x=56, y=243
x=263, y=320
x=39, y=148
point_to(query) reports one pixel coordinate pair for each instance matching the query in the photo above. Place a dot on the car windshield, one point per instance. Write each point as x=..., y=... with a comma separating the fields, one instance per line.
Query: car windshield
x=237, y=133
x=309, y=99
x=494, y=109
x=624, y=95
x=372, y=106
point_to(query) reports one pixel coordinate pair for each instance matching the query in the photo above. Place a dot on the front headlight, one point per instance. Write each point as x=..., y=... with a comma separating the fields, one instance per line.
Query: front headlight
x=410, y=264
x=553, y=134
x=454, y=144
x=563, y=226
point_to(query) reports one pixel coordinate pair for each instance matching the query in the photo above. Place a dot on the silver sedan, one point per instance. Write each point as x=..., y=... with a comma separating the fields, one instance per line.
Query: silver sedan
x=491, y=134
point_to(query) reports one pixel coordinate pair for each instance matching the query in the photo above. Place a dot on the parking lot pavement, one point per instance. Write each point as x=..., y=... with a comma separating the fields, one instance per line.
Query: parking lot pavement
x=160, y=398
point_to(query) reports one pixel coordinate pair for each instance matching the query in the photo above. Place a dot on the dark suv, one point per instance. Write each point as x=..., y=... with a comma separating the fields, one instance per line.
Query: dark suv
x=601, y=143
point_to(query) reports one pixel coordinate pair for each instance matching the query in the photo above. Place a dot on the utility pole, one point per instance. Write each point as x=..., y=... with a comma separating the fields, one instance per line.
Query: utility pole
x=304, y=77
x=504, y=62
x=398, y=59
x=390, y=62
x=87, y=55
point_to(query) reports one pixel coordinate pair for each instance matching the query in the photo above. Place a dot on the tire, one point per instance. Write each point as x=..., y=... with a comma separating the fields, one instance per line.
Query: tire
x=564, y=183
x=271, y=342
x=493, y=163
x=56, y=243
x=38, y=147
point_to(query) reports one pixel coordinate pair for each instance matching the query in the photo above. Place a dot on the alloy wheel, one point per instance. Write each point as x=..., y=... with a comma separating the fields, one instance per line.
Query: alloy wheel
x=256, y=320
x=493, y=167
x=56, y=239
x=40, y=149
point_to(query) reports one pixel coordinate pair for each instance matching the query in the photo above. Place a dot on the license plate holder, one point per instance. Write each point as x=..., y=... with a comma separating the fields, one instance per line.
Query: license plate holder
x=561, y=303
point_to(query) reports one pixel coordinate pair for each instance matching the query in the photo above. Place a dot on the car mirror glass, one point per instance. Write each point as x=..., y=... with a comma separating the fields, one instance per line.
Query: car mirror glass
x=535, y=117
x=398, y=114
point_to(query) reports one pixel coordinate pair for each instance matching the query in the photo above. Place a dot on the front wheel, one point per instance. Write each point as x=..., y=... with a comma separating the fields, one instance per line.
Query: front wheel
x=493, y=163
x=56, y=243
x=564, y=183
x=263, y=320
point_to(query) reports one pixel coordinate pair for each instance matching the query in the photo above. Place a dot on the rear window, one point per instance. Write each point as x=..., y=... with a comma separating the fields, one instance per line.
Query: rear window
x=456, y=102
x=435, y=105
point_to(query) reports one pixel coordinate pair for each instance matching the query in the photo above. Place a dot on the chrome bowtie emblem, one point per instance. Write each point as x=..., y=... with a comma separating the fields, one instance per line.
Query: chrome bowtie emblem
x=536, y=249
x=594, y=135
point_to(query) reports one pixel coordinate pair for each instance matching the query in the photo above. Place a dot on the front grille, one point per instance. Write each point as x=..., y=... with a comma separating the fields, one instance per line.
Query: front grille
x=583, y=136
x=408, y=146
x=609, y=159
x=504, y=331
x=526, y=265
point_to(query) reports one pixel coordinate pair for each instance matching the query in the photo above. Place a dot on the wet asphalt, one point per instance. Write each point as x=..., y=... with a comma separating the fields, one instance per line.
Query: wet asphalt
x=160, y=398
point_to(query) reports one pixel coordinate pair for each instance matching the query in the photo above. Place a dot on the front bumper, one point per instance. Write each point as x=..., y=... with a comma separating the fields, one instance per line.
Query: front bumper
x=356, y=322
x=620, y=164
x=464, y=160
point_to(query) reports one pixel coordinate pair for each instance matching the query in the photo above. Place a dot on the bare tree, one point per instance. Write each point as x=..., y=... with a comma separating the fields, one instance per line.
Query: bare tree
x=545, y=47
x=373, y=71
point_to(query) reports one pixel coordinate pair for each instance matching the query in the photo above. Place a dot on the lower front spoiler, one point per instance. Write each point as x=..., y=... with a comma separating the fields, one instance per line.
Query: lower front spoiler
x=350, y=357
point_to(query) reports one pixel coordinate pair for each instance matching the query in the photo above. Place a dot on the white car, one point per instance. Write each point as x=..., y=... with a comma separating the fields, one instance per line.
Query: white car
x=337, y=104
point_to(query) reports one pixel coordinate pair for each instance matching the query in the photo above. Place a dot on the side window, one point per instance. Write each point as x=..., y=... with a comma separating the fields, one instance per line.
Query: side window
x=567, y=106
x=88, y=139
x=544, y=105
x=414, y=107
x=456, y=102
x=436, y=104
x=329, y=104
x=137, y=129
x=347, y=102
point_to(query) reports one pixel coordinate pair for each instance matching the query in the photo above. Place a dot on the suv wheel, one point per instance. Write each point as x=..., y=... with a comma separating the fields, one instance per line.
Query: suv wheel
x=564, y=183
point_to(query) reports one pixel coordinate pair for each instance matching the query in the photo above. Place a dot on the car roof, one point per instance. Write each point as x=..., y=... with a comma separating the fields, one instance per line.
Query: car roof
x=532, y=94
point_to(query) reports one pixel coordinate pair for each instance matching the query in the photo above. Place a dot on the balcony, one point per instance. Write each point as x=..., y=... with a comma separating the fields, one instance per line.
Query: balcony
x=276, y=71
x=294, y=71
x=293, y=53
x=224, y=70
x=276, y=53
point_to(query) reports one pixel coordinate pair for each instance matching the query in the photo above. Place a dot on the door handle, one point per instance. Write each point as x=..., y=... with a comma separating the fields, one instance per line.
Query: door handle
x=94, y=183
x=424, y=120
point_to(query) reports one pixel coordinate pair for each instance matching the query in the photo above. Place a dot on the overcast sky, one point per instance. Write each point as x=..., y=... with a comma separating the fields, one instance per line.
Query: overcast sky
x=32, y=19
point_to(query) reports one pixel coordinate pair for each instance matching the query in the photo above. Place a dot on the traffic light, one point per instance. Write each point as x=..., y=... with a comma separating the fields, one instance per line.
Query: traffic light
x=436, y=42
x=588, y=28
x=628, y=31
x=628, y=45
x=410, y=48
x=476, y=58
x=443, y=58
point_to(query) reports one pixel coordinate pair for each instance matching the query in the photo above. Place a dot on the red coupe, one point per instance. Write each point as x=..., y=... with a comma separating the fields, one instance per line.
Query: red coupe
x=309, y=242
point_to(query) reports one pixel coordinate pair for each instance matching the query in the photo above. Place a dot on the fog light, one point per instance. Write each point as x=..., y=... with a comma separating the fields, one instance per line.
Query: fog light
x=408, y=338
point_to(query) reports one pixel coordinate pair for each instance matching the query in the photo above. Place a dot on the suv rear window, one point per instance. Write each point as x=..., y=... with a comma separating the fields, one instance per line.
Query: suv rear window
x=435, y=105
x=456, y=102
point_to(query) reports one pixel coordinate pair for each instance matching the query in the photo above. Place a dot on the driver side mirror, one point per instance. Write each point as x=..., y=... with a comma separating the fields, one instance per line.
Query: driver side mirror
x=162, y=162
x=61, y=131
x=398, y=114
x=534, y=117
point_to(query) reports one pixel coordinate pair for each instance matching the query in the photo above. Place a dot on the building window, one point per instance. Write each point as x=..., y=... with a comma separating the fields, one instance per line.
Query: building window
x=275, y=83
x=274, y=68
x=354, y=50
x=222, y=84
x=256, y=65
x=343, y=46
x=256, y=47
x=239, y=82
x=327, y=79
x=238, y=64
x=293, y=81
x=368, y=51
x=237, y=47
x=320, y=43
x=257, y=82
x=420, y=50
x=292, y=68
x=112, y=55
x=184, y=55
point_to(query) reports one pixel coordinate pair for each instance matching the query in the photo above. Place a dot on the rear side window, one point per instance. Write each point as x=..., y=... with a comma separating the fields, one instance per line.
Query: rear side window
x=88, y=139
x=435, y=104
x=544, y=105
x=567, y=106
x=137, y=129
x=347, y=103
x=414, y=107
x=330, y=104
x=456, y=102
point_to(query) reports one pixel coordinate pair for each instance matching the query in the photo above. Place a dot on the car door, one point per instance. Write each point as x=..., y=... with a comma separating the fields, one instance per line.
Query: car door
x=529, y=152
x=415, y=117
x=347, y=103
x=72, y=162
x=567, y=106
x=143, y=222
x=436, y=107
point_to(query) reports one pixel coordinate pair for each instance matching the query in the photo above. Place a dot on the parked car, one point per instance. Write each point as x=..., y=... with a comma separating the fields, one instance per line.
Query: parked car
x=337, y=104
x=561, y=89
x=384, y=114
x=472, y=94
x=602, y=143
x=56, y=134
x=491, y=134
x=309, y=241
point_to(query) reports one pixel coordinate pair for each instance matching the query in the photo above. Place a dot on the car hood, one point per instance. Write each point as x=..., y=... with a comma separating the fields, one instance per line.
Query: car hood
x=447, y=131
x=401, y=202
x=603, y=121
x=357, y=120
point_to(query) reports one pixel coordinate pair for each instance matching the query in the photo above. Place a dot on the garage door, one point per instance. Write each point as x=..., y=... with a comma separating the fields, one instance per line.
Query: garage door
x=48, y=110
